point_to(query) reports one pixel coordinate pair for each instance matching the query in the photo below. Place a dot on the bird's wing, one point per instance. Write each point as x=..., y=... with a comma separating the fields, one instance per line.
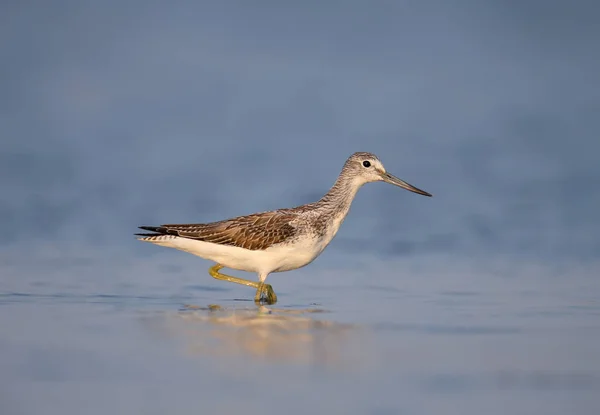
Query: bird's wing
x=255, y=232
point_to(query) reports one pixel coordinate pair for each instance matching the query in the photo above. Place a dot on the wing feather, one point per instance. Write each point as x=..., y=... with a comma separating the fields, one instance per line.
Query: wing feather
x=255, y=232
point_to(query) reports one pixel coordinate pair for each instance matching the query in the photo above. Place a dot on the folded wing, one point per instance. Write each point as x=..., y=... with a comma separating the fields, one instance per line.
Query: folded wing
x=254, y=232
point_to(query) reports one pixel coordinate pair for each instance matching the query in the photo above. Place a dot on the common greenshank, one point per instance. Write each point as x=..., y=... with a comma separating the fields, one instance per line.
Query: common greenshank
x=278, y=240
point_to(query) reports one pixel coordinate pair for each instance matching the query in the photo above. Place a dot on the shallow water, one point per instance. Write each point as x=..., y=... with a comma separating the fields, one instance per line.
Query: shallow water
x=395, y=340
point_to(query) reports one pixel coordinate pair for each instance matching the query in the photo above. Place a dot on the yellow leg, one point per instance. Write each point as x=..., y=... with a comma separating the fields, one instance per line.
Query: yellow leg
x=261, y=288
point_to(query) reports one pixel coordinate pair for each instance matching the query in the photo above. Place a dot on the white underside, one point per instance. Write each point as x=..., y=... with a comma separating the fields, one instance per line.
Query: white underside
x=274, y=259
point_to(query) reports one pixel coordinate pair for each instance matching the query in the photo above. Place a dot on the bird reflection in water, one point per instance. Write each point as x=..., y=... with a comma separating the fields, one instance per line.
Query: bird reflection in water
x=270, y=334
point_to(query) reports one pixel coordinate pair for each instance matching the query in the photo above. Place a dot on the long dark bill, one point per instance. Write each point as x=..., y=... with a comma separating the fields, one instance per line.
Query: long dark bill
x=391, y=179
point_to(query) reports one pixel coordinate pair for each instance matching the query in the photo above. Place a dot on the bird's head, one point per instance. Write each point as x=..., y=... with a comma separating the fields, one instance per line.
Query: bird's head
x=366, y=167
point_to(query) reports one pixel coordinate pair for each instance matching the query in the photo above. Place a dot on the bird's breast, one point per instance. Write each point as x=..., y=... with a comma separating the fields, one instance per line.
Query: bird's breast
x=298, y=253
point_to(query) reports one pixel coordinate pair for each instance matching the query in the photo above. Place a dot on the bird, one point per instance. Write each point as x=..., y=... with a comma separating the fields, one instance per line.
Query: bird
x=277, y=240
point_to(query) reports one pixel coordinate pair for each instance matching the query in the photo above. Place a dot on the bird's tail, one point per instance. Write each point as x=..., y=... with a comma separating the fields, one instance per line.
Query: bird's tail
x=159, y=233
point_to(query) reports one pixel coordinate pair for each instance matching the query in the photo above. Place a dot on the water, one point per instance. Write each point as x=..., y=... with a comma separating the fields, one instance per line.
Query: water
x=407, y=337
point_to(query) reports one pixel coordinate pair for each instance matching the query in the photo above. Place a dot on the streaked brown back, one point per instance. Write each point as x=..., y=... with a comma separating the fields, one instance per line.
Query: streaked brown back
x=255, y=232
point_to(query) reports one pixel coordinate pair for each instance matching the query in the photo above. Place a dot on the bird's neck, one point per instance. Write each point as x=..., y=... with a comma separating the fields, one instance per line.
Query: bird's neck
x=336, y=202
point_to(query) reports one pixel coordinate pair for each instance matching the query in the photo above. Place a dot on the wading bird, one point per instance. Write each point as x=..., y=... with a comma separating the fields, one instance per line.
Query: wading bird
x=278, y=240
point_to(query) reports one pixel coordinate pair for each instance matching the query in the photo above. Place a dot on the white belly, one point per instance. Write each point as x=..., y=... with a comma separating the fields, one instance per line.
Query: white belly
x=274, y=259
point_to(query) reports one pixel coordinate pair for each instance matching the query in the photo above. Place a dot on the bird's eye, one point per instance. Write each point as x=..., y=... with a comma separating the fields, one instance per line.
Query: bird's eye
x=367, y=163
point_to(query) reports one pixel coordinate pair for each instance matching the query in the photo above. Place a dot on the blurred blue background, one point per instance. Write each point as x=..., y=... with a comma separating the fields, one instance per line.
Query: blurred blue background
x=119, y=114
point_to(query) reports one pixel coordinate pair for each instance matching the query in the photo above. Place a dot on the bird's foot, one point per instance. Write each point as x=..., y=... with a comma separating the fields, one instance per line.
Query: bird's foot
x=265, y=295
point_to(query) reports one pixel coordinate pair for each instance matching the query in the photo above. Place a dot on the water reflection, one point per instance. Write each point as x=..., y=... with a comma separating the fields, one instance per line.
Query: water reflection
x=299, y=336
